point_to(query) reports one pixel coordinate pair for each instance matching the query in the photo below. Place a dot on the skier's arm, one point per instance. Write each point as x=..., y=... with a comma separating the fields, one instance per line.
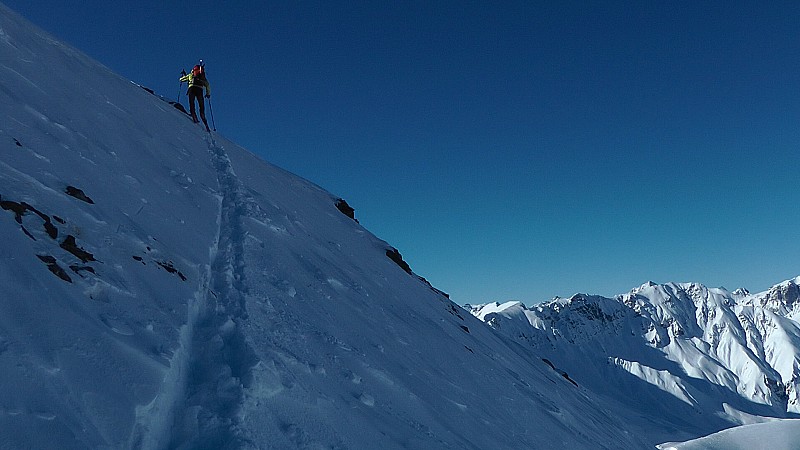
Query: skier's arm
x=186, y=78
x=208, y=89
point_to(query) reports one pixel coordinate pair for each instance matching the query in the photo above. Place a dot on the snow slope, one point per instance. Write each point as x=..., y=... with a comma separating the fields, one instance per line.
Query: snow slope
x=164, y=288
x=773, y=435
x=683, y=359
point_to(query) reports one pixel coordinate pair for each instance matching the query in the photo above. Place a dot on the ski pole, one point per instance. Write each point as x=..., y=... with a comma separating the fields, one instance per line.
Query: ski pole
x=211, y=110
x=180, y=87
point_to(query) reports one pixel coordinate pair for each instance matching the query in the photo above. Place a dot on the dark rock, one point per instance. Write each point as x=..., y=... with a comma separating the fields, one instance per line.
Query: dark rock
x=21, y=208
x=77, y=193
x=27, y=233
x=50, y=229
x=453, y=309
x=464, y=328
x=18, y=209
x=71, y=246
x=54, y=267
x=171, y=269
x=18, y=143
x=440, y=292
x=428, y=283
x=559, y=371
x=179, y=107
x=347, y=210
x=395, y=256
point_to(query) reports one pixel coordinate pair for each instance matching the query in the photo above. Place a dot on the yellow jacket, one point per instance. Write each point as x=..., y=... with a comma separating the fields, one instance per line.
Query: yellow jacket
x=197, y=81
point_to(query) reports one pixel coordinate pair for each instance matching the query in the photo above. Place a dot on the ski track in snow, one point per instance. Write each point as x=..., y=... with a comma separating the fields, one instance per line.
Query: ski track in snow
x=221, y=360
x=202, y=392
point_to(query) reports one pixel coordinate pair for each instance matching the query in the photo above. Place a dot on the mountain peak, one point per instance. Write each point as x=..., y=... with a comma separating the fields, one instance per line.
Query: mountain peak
x=783, y=298
x=741, y=292
x=649, y=284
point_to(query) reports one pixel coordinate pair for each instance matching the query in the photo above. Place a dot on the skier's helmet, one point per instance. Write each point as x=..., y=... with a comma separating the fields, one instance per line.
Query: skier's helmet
x=197, y=70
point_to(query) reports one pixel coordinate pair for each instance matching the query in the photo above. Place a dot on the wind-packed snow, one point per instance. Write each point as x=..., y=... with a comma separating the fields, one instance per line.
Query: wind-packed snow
x=164, y=288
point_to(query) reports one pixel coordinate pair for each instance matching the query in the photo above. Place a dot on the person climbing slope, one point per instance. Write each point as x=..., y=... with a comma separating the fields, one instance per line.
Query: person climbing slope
x=197, y=81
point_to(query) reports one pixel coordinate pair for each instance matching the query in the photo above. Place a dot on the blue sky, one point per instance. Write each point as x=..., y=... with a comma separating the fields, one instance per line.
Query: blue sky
x=510, y=150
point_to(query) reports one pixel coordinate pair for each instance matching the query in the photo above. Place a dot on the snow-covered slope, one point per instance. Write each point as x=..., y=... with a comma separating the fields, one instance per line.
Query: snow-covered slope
x=773, y=435
x=164, y=288
x=682, y=358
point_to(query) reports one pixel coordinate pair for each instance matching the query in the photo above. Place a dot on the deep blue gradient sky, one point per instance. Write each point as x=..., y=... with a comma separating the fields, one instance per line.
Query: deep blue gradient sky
x=510, y=150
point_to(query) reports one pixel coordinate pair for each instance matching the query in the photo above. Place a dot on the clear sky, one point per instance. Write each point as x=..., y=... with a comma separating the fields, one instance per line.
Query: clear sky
x=509, y=149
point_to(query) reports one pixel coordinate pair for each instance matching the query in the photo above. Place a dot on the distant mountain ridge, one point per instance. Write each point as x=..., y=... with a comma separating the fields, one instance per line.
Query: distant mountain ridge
x=725, y=355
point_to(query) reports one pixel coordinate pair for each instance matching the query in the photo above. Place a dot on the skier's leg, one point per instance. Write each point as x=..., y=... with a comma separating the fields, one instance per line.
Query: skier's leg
x=192, y=97
x=201, y=102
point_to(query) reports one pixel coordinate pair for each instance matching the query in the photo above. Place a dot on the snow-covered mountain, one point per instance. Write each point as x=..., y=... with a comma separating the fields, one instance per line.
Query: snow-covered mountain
x=709, y=358
x=164, y=288
x=777, y=434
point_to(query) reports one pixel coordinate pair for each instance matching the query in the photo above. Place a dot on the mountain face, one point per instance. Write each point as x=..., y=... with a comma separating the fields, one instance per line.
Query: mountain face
x=782, y=299
x=706, y=358
x=164, y=288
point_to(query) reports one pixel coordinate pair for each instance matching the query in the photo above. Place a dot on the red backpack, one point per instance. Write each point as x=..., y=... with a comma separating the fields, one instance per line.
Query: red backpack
x=198, y=71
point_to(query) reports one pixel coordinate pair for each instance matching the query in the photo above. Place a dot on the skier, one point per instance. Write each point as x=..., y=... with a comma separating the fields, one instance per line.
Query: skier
x=197, y=81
